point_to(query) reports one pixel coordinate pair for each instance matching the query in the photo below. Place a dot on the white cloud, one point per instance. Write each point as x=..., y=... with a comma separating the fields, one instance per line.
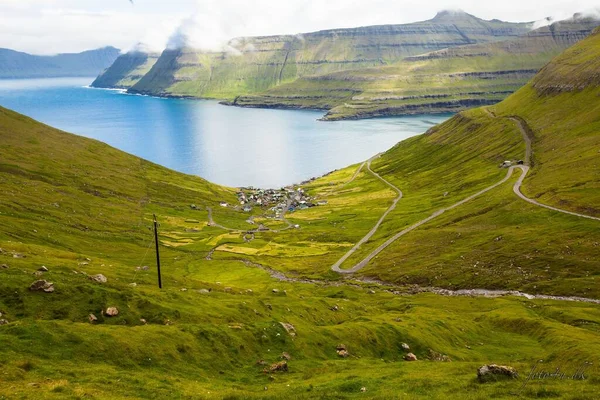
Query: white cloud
x=51, y=26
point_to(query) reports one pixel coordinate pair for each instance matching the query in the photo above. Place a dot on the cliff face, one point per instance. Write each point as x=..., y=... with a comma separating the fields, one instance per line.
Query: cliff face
x=259, y=63
x=444, y=80
x=14, y=64
x=127, y=70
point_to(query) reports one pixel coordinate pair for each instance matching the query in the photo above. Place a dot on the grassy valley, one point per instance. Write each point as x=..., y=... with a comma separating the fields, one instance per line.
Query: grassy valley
x=232, y=307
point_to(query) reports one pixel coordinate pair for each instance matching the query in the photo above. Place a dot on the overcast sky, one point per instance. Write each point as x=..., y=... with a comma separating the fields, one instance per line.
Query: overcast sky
x=55, y=26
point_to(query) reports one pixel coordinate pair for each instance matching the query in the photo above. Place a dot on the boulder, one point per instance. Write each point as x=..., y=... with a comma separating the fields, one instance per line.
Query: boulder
x=435, y=356
x=143, y=321
x=363, y=389
x=112, y=311
x=343, y=353
x=288, y=327
x=203, y=291
x=275, y=290
x=98, y=278
x=410, y=357
x=341, y=347
x=281, y=366
x=493, y=372
x=3, y=266
x=42, y=285
x=43, y=269
x=286, y=356
x=3, y=322
x=405, y=347
x=92, y=318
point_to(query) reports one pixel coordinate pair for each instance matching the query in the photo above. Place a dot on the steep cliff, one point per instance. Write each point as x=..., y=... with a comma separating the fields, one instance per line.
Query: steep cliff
x=127, y=69
x=256, y=64
x=445, y=80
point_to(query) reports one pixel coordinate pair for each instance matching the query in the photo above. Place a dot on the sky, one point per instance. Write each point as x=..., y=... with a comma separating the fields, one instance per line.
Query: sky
x=61, y=26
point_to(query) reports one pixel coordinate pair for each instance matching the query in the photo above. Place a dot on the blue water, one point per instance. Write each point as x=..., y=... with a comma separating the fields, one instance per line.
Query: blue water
x=227, y=145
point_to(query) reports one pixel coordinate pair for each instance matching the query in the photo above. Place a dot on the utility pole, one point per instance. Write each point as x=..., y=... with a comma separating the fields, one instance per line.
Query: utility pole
x=157, y=254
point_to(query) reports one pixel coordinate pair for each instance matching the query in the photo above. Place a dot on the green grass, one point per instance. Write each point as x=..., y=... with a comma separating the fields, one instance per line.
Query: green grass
x=80, y=207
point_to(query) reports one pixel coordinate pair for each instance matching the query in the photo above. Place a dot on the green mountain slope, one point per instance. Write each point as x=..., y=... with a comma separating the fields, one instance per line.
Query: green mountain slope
x=259, y=63
x=127, y=69
x=446, y=80
x=80, y=208
x=14, y=64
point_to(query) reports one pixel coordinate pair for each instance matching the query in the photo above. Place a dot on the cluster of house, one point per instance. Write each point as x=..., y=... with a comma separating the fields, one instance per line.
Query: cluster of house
x=278, y=201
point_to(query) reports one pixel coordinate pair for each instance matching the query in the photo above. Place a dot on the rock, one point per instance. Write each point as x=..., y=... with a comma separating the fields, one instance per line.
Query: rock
x=88, y=259
x=281, y=366
x=112, y=311
x=286, y=356
x=19, y=255
x=38, y=273
x=3, y=266
x=42, y=285
x=363, y=389
x=343, y=353
x=168, y=322
x=270, y=307
x=410, y=357
x=435, y=356
x=289, y=328
x=493, y=372
x=203, y=291
x=335, y=308
x=261, y=362
x=183, y=289
x=3, y=322
x=145, y=268
x=275, y=290
x=92, y=318
x=98, y=278
x=133, y=284
x=341, y=347
x=43, y=269
x=405, y=347
x=143, y=321
x=371, y=291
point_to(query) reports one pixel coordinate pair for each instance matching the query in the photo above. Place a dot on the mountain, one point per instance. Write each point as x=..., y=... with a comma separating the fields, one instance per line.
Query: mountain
x=445, y=80
x=237, y=301
x=256, y=64
x=17, y=65
x=127, y=69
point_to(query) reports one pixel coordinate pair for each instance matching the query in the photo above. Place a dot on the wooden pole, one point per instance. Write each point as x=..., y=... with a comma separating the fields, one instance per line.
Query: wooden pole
x=157, y=253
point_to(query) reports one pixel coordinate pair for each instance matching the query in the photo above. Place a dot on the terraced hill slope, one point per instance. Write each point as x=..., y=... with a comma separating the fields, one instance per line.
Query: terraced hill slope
x=19, y=65
x=127, y=69
x=259, y=63
x=232, y=307
x=446, y=80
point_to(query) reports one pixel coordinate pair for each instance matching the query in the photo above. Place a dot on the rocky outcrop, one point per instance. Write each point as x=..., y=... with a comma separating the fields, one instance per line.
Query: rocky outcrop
x=495, y=372
x=42, y=286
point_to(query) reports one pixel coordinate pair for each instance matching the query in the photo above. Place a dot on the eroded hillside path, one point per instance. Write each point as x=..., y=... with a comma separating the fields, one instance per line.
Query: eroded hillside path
x=336, y=266
x=527, y=137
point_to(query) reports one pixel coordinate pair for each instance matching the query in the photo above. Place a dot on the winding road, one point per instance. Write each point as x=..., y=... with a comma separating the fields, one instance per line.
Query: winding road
x=516, y=188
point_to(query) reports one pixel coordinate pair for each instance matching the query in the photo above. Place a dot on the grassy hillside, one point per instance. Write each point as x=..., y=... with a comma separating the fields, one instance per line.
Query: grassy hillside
x=446, y=80
x=80, y=208
x=18, y=65
x=256, y=64
x=127, y=70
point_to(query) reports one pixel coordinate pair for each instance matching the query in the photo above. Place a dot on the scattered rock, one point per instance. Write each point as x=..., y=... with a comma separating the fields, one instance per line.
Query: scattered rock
x=38, y=273
x=203, y=291
x=405, y=347
x=143, y=321
x=112, y=311
x=435, y=356
x=289, y=328
x=19, y=255
x=410, y=357
x=286, y=356
x=275, y=290
x=98, y=278
x=42, y=285
x=371, y=291
x=92, y=318
x=494, y=372
x=3, y=266
x=3, y=322
x=341, y=347
x=43, y=269
x=343, y=353
x=281, y=366
x=363, y=389
x=335, y=308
